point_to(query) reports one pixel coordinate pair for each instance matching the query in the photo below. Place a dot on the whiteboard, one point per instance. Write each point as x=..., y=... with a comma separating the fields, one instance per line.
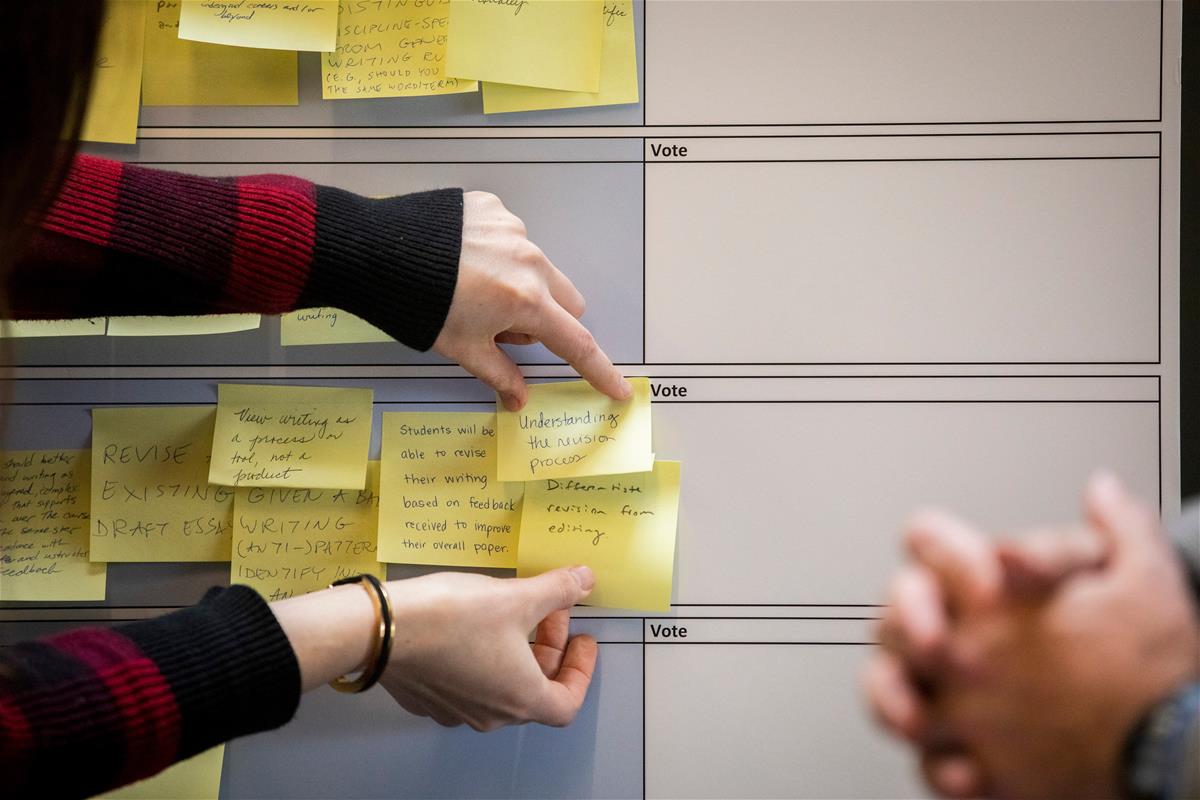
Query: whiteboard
x=915, y=252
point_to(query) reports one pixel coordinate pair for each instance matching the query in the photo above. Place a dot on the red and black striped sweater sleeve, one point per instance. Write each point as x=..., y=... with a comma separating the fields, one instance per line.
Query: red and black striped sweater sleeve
x=124, y=239
x=100, y=707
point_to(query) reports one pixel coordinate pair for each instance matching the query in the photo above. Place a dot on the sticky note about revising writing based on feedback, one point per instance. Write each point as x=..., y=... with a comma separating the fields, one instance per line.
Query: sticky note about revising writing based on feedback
x=303, y=436
x=570, y=430
x=151, y=500
x=555, y=44
x=268, y=24
x=622, y=526
x=441, y=502
x=44, y=527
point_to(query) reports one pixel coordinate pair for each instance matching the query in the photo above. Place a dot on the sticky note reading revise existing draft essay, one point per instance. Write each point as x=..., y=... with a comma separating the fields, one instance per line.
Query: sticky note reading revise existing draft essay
x=177, y=72
x=198, y=778
x=622, y=526
x=44, y=527
x=441, y=502
x=280, y=25
x=569, y=430
x=554, y=44
x=151, y=500
x=292, y=541
x=306, y=436
x=618, y=73
x=188, y=325
x=112, y=111
x=327, y=326
x=390, y=50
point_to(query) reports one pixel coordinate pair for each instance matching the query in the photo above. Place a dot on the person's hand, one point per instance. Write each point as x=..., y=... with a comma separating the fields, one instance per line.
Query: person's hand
x=508, y=292
x=462, y=653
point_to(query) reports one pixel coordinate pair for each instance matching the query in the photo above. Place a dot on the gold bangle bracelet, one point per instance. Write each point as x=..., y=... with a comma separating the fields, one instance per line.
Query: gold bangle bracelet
x=384, y=635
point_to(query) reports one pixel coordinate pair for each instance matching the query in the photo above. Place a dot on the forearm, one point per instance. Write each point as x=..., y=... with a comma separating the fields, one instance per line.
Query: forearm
x=330, y=632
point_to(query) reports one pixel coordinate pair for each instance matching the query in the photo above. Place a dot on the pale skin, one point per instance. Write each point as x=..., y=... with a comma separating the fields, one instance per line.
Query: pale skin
x=1018, y=668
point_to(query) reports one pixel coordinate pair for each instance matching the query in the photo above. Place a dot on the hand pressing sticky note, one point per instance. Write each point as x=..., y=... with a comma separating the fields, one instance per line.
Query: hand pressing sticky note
x=112, y=110
x=272, y=25
x=570, y=430
x=44, y=527
x=151, y=500
x=622, y=526
x=327, y=326
x=441, y=501
x=300, y=436
x=554, y=44
x=188, y=325
x=288, y=542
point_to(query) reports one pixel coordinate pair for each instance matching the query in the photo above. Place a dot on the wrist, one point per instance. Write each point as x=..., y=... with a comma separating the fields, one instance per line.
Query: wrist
x=331, y=632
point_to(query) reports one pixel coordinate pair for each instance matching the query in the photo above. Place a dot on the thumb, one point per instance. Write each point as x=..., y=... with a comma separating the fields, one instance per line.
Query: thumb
x=555, y=590
x=1125, y=524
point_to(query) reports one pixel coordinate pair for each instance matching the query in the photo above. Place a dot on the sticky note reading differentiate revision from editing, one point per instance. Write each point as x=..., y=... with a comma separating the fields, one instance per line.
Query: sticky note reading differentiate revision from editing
x=622, y=526
x=182, y=326
x=279, y=25
x=301, y=436
x=292, y=541
x=198, y=778
x=327, y=326
x=390, y=50
x=113, y=101
x=151, y=500
x=555, y=44
x=36, y=328
x=618, y=73
x=177, y=72
x=441, y=502
x=44, y=527
x=570, y=430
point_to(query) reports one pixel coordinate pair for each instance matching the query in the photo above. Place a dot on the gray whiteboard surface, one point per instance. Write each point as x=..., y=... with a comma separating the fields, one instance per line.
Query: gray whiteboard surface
x=896, y=253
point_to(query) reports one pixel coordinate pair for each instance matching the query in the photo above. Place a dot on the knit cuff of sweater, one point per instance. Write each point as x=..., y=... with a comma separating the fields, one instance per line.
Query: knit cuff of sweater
x=392, y=261
x=229, y=664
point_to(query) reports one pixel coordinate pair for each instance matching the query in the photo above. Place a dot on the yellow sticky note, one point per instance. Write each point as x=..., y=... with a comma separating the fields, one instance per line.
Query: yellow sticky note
x=177, y=72
x=44, y=527
x=618, y=73
x=292, y=541
x=280, y=25
x=549, y=43
x=35, y=328
x=198, y=778
x=301, y=436
x=569, y=430
x=622, y=526
x=151, y=500
x=390, y=50
x=183, y=325
x=441, y=502
x=327, y=326
x=112, y=112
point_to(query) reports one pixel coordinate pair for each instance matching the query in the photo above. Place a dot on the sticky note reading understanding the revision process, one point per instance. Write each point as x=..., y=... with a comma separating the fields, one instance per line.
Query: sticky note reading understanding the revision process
x=44, y=527
x=292, y=541
x=441, y=501
x=303, y=436
x=112, y=110
x=278, y=25
x=553, y=44
x=187, y=325
x=618, y=73
x=327, y=326
x=390, y=49
x=570, y=430
x=622, y=526
x=151, y=500
x=177, y=72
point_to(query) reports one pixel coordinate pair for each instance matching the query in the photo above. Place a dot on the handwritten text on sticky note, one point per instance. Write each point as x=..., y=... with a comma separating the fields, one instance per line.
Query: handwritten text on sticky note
x=326, y=325
x=270, y=24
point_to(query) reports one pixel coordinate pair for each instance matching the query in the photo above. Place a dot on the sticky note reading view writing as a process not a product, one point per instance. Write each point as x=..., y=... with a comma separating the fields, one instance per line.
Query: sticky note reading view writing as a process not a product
x=441, y=502
x=112, y=110
x=302, y=436
x=151, y=500
x=622, y=526
x=555, y=44
x=570, y=430
x=273, y=25
x=44, y=527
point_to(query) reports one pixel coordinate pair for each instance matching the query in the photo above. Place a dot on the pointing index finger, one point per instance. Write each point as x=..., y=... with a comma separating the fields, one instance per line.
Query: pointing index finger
x=568, y=339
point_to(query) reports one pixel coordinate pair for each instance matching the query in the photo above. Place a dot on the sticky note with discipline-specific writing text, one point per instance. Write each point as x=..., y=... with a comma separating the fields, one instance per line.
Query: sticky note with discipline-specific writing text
x=273, y=25
x=441, y=502
x=113, y=100
x=305, y=436
x=555, y=44
x=44, y=527
x=570, y=430
x=326, y=325
x=36, y=328
x=151, y=500
x=622, y=526
x=289, y=541
x=197, y=778
x=187, y=325
x=390, y=49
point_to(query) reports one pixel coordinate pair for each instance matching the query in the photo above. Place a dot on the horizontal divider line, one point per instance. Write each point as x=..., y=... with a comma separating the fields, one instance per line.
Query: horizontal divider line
x=934, y=135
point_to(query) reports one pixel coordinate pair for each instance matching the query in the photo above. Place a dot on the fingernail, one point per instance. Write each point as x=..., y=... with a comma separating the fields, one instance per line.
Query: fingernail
x=626, y=389
x=585, y=577
x=511, y=402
